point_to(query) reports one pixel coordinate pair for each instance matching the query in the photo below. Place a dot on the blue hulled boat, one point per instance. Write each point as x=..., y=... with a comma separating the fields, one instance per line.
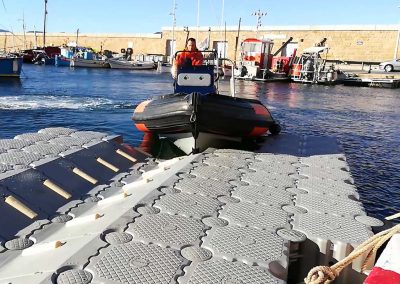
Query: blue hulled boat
x=10, y=65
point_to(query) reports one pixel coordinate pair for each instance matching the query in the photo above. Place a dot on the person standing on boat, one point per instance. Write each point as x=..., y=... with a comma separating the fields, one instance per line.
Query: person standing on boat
x=190, y=56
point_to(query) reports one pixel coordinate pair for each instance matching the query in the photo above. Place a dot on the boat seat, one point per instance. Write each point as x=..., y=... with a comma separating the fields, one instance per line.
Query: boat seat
x=192, y=79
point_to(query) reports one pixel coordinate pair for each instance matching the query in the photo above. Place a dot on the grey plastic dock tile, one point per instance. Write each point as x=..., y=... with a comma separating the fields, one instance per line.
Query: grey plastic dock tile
x=72, y=142
x=331, y=227
x=93, y=135
x=234, y=154
x=136, y=263
x=336, y=174
x=167, y=230
x=74, y=276
x=188, y=205
x=9, y=144
x=259, y=216
x=271, y=159
x=61, y=131
x=217, y=173
x=222, y=271
x=262, y=194
x=328, y=204
x=249, y=245
x=335, y=161
x=226, y=161
x=45, y=149
x=273, y=167
x=4, y=168
x=261, y=178
x=19, y=158
x=326, y=185
x=202, y=186
x=36, y=137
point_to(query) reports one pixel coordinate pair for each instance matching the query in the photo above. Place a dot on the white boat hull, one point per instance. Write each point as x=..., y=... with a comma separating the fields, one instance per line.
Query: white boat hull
x=78, y=62
x=131, y=65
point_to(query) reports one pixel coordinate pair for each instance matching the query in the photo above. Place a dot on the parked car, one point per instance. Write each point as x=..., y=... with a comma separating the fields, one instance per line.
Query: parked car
x=390, y=66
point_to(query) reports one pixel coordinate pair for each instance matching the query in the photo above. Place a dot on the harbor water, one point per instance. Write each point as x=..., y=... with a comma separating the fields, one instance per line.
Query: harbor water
x=366, y=121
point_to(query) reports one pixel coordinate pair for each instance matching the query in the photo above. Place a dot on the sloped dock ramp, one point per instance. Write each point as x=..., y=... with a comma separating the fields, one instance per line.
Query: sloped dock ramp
x=80, y=207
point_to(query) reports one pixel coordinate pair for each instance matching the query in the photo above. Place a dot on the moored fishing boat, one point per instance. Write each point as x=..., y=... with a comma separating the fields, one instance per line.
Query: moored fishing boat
x=10, y=65
x=61, y=60
x=122, y=63
x=90, y=63
x=196, y=116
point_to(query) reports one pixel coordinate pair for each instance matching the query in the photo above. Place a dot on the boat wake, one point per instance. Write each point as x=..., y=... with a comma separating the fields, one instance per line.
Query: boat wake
x=56, y=102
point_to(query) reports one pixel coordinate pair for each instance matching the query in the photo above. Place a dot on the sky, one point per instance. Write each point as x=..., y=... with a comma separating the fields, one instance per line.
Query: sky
x=140, y=16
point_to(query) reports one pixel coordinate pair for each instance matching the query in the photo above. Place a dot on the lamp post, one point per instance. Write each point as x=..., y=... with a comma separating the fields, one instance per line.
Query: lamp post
x=259, y=14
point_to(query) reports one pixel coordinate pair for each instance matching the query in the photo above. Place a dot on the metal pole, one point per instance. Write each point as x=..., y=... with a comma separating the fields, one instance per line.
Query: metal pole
x=237, y=42
x=222, y=12
x=397, y=40
x=198, y=19
x=44, y=24
x=34, y=27
x=397, y=44
x=173, y=30
x=77, y=35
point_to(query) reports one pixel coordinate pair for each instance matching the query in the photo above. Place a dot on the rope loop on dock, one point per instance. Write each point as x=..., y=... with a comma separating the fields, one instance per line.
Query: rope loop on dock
x=326, y=274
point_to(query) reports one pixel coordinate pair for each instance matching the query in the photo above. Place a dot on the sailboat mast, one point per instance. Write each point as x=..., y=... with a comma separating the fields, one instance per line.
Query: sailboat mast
x=44, y=23
x=198, y=19
x=23, y=28
x=172, y=46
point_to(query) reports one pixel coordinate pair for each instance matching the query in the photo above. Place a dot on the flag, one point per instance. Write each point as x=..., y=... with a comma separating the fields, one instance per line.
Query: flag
x=204, y=44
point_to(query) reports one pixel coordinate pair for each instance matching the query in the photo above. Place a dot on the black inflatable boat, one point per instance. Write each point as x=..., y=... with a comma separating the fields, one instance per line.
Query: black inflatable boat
x=196, y=116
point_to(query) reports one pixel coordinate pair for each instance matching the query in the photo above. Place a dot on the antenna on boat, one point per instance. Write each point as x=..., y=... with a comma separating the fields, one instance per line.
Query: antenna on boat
x=259, y=15
x=34, y=32
x=77, y=36
x=173, y=14
x=237, y=41
x=198, y=18
x=186, y=29
x=23, y=28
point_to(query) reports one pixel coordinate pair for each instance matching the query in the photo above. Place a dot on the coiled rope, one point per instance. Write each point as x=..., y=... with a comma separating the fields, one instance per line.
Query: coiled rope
x=326, y=274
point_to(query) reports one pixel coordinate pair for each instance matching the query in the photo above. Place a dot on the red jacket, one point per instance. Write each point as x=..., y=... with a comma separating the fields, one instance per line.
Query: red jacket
x=195, y=56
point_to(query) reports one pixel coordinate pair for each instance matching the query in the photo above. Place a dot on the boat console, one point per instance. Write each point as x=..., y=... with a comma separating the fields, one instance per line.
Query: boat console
x=199, y=78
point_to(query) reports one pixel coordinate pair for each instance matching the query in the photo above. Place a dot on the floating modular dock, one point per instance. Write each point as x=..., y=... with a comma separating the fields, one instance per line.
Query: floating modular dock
x=374, y=80
x=80, y=207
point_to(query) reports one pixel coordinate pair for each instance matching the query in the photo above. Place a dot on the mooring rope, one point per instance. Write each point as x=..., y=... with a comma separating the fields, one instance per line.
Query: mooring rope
x=326, y=274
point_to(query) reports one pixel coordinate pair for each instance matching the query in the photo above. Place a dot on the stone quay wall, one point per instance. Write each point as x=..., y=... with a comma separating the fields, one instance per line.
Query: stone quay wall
x=365, y=43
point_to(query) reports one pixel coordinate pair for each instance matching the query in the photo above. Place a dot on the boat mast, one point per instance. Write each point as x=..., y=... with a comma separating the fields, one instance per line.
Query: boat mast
x=198, y=19
x=173, y=30
x=23, y=28
x=237, y=41
x=44, y=23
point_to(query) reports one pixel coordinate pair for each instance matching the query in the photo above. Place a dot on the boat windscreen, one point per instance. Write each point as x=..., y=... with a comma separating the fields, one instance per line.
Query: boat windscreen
x=251, y=47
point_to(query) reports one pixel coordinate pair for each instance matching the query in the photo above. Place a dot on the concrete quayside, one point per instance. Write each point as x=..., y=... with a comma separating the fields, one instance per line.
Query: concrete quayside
x=81, y=207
